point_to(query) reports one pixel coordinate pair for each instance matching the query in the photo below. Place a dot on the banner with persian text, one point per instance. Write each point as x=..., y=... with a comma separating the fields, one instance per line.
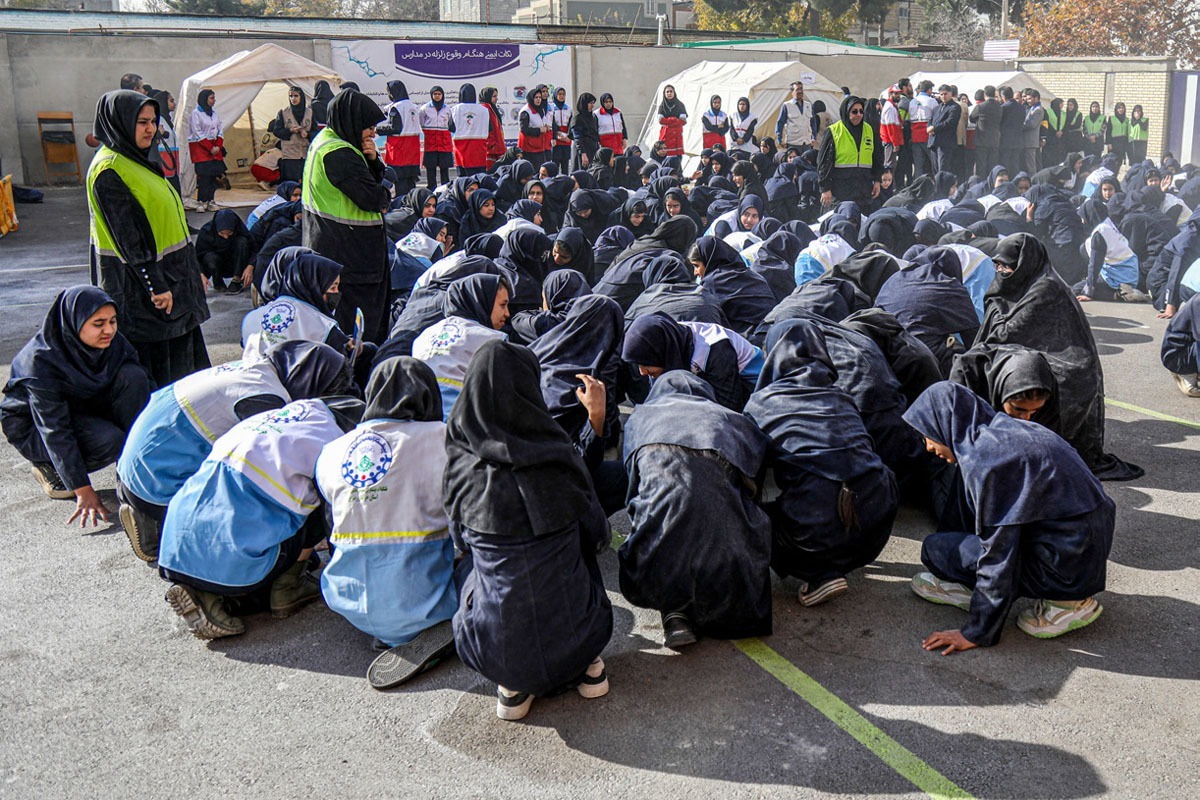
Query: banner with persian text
x=513, y=69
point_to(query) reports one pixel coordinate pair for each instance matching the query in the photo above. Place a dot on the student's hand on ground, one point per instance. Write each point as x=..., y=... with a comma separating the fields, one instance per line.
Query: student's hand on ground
x=163, y=302
x=88, y=508
x=1083, y=298
x=247, y=275
x=953, y=641
x=592, y=397
x=1167, y=312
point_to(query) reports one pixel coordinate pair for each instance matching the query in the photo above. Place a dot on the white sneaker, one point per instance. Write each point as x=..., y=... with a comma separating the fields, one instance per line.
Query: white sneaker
x=823, y=592
x=927, y=586
x=1188, y=384
x=211, y=205
x=266, y=187
x=595, y=681
x=512, y=706
x=1048, y=618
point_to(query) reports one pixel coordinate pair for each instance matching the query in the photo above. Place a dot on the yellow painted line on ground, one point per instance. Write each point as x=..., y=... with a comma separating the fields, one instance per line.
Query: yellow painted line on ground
x=889, y=751
x=1148, y=412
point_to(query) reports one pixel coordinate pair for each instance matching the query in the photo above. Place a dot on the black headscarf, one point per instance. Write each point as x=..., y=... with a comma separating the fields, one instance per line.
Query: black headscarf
x=404, y=389
x=473, y=297
x=745, y=297
x=673, y=107
x=775, y=261
x=438, y=104
x=575, y=243
x=676, y=233
x=511, y=469
x=298, y=109
x=524, y=209
x=56, y=359
x=999, y=372
x=911, y=360
x=397, y=91
x=929, y=297
x=309, y=369
x=868, y=271
x=656, y=340
x=1015, y=472
x=202, y=101
x=1029, y=260
x=525, y=261
x=351, y=113
x=302, y=274
x=612, y=241
x=473, y=221
x=466, y=93
x=813, y=423
x=116, y=125
x=666, y=269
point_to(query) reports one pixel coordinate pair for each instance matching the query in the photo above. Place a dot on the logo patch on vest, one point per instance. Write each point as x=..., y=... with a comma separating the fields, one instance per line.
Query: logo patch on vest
x=451, y=333
x=367, y=461
x=278, y=317
x=288, y=414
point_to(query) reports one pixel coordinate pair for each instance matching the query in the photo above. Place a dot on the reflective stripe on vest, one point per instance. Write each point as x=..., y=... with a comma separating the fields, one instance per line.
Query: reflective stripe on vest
x=209, y=398
x=159, y=202
x=847, y=154
x=319, y=196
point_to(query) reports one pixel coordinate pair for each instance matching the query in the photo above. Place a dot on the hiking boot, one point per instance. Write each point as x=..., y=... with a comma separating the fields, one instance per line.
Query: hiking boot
x=594, y=682
x=822, y=592
x=52, y=485
x=927, y=586
x=142, y=531
x=677, y=630
x=1131, y=294
x=235, y=287
x=1188, y=384
x=1050, y=618
x=204, y=612
x=293, y=590
x=512, y=706
x=404, y=661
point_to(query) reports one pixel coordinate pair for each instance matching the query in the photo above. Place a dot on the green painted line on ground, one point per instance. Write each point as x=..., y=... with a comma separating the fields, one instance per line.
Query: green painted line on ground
x=891, y=752
x=1148, y=412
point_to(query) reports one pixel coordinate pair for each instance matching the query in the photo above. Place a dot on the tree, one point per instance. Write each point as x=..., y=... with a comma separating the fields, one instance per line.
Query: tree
x=829, y=18
x=954, y=24
x=223, y=8
x=1103, y=28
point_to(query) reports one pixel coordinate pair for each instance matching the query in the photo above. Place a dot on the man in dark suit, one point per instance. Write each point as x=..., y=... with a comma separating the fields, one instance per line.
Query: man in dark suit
x=986, y=117
x=943, y=131
x=1012, y=131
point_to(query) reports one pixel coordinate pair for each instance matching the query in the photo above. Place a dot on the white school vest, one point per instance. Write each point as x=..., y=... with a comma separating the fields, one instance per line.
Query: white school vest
x=1118, y=246
x=376, y=480
x=934, y=209
x=208, y=397
x=447, y=347
x=471, y=121
x=709, y=333
x=284, y=319
x=278, y=450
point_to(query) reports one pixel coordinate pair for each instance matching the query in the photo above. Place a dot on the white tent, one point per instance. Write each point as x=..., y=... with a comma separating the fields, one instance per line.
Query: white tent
x=251, y=86
x=764, y=82
x=968, y=82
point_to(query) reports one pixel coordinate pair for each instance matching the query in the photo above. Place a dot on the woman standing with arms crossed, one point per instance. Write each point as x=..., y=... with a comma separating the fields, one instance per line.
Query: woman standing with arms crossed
x=142, y=256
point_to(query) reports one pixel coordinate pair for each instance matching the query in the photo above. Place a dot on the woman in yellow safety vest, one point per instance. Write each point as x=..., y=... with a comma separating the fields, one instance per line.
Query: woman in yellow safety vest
x=142, y=253
x=1093, y=130
x=1139, y=135
x=1117, y=135
x=850, y=158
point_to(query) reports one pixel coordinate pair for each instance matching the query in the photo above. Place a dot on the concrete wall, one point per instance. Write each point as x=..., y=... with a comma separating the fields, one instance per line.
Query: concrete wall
x=1144, y=81
x=59, y=72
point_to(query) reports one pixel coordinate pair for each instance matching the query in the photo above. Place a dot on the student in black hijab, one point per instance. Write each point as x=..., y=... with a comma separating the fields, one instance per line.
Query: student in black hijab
x=635, y=215
x=416, y=204
x=831, y=298
x=588, y=210
x=838, y=501
x=930, y=301
x=480, y=217
x=149, y=269
x=525, y=260
x=223, y=248
x=671, y=289
x=1043, y=531
x=699, y=546
x=868, y=271
x=745, y=296
x=585, y=132
x=912, y=362
x=892, y=228
x=572, y=250
x=612, y=241
x=322, y=97
x=73, y=393
x=558, y=290
x=1028, y=304
x=355, y=172
x=426, y=305
x=775, y=261
x=534, y=616
x=623, y=279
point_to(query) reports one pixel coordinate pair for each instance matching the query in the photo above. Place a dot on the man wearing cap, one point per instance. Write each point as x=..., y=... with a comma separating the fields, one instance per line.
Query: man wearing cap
x=797, y=125
x=986, y=117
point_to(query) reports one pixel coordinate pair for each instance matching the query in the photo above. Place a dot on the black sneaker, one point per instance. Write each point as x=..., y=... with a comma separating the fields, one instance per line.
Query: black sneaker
x=47, y=477
x=512, y=706
x=677, y=630
x=235, y=287
x=402, y=662
x=218, y=284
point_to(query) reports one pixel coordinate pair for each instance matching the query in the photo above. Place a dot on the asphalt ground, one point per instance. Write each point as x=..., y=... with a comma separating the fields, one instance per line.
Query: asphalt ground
x=103, y=693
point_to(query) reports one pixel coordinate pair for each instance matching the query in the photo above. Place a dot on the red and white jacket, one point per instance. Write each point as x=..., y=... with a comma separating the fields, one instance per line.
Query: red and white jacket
x=403, y=147
x=891, y=131
x=435, y=124
x=611, y=128
x=472, y=121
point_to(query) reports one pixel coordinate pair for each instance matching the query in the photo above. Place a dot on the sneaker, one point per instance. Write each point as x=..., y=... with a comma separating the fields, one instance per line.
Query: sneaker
x=594, y=682
x=293, y=590
x=1188, y=384
x=928, y=587
x=218, y=284
x=1131, y=294
x=204, y=612
x=405, y=661
x=1049, y=618
x=235, y=287
x=266, y=187
x=142, y=531
x=512, y=706
x=677, y=630
x=52, y=485
x=823, y=592
x=211, y=205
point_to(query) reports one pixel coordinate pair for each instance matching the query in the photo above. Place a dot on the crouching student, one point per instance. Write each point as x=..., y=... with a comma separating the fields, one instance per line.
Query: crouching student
x=392, y=571
x=699, y=548
x=73, y=392
x=533, y=615
x=1043, y=525
x=1112, y=270
x=476, y=309
x=301, y=289
x=244, y=523
x=656, y=344
x=171, y=438
x=838, y=501
x=1181, y=348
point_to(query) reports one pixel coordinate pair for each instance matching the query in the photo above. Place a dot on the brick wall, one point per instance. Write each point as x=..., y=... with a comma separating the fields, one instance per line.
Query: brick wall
x=1150, y=90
